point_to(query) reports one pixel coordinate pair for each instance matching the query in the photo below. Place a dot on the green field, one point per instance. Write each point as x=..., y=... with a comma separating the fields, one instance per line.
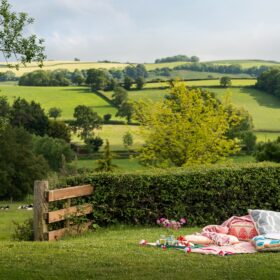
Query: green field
x=114, y=253
x=7, y=227
x=266, y=136
x=246, y=63
x=115, y=133
x=264, y=108
x=66, y=98
x=69, y=65
x=122, y=164
x=205, y=83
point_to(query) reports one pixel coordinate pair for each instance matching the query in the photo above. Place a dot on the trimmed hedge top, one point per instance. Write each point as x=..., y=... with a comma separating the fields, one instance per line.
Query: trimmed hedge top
x=202, y=195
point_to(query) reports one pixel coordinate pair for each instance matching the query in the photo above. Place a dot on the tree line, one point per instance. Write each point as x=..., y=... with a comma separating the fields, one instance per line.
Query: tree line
x=97, y=79
x=177, y=58
x=225, y=69
x=269, y=82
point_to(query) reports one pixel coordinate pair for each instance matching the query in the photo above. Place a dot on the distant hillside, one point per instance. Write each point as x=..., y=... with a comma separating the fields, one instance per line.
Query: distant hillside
x=246, y=63
x=72, y=65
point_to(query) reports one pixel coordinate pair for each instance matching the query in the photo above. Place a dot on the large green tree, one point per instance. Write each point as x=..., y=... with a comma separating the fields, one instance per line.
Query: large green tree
x=85, y=121
x=14, y=43
x=52, y=149
x=119, y=95
x=19, y=165
x=30, y=116
x=189, y=127
x=97, y=79
x=125, y=110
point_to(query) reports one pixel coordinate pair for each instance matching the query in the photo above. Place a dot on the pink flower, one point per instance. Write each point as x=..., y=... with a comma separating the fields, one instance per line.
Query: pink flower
x=182, y=221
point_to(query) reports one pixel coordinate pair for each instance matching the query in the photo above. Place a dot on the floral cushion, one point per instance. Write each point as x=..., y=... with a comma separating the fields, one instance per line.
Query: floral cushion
x=243, y=230
x=266, y=221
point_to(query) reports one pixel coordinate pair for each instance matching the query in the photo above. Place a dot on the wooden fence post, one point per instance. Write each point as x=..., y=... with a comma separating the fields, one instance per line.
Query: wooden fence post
x=40, y=226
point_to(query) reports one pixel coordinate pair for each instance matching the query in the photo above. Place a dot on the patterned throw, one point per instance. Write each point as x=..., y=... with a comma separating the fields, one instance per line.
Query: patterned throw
x=265, y=244
x=240, y=248
x=266, y=221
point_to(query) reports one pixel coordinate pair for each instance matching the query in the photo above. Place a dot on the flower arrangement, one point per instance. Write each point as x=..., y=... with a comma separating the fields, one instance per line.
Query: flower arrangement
x=171, y=226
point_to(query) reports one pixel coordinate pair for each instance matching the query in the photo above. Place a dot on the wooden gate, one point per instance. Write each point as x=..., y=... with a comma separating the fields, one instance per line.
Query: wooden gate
x=43, y=217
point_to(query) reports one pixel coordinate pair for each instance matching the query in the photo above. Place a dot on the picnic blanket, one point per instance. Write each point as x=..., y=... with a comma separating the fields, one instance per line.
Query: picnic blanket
x=231, y=237
x=239, y=248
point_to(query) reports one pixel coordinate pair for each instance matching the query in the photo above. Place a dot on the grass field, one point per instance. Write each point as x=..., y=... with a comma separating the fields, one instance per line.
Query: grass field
x=122, y=164
x=246, y=63
x=265, y=136
x=264, y=108
x=66, y=98
x=115, y=133
x=7, y=217
x=205, y=83
x=114, y=253
x=70, y=65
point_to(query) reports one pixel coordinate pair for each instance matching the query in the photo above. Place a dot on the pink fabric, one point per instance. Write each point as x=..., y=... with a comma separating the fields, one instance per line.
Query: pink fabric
x=240, y=248
x=235, y=219
x=219, y=233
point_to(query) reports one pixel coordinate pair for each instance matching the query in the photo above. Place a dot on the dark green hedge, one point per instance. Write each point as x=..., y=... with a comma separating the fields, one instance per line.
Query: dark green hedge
x=203, y=196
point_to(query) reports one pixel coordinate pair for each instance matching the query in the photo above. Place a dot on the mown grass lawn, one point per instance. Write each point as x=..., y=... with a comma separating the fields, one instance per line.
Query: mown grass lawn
x=114, y=253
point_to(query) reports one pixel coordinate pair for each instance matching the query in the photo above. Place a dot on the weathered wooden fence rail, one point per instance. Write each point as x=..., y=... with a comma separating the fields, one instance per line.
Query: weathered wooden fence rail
x=43, y=217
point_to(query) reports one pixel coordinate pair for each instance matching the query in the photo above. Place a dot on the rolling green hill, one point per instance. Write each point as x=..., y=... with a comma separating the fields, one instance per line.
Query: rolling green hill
x=66, y=98
x=264, y=108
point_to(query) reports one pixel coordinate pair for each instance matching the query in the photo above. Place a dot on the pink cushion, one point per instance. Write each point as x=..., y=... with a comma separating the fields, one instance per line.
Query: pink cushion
x=243, y=230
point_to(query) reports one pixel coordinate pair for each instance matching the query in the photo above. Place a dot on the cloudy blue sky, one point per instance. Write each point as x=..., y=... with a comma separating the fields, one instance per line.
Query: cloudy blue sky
x=142, y=30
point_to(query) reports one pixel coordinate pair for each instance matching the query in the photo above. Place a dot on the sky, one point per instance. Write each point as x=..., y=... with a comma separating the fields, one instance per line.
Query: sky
x=143, y=30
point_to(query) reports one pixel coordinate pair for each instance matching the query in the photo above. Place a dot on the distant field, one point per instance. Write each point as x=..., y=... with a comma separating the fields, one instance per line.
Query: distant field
x=114, y=133
x=234, y=83
x=266, y=136
x=264, y=108
x=66, y=98
x=246, y=63
x=70, y=65
x=123, y=164
x=188, y=74
x=204, y=83
x=149, y=93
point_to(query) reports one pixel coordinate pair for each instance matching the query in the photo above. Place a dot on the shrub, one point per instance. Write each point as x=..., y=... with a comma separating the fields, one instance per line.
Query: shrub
x=24, y=231
x=52, y=150
x=203, y=196
x=269, y=151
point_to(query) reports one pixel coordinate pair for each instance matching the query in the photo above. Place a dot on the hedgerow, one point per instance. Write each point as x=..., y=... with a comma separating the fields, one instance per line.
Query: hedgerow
x=202, y=195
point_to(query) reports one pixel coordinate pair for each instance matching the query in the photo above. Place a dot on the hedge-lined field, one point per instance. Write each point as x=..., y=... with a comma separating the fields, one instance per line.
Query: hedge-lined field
x=203, y=195
x=264, y=108
x=66, y=98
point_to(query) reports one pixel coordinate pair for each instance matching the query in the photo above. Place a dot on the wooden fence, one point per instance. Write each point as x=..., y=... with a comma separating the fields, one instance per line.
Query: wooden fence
x=43, y=217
